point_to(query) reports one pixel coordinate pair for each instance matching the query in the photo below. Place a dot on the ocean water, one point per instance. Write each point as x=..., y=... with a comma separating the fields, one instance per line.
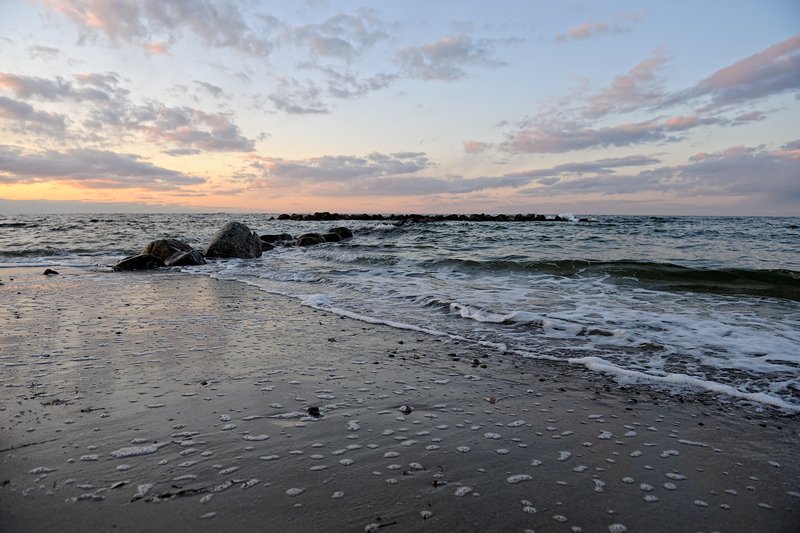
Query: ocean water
x=686, y=303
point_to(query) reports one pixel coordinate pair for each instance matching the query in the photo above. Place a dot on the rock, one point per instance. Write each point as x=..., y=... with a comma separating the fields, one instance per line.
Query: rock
x=49, y=272
x=234, y=239
x=332, y=237
x=405, y=409
x=344, y=233
x=310, y=239
x=279, y=237
x=314, y=411
x=139, y=262
x=166, y=248
x=266, y=247
x=190, y=258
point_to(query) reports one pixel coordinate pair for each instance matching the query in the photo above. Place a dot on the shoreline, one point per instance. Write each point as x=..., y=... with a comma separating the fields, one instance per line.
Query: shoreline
x=94, y=363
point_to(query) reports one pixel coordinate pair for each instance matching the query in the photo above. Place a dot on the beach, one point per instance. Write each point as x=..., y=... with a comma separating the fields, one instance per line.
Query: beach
x=164, y=401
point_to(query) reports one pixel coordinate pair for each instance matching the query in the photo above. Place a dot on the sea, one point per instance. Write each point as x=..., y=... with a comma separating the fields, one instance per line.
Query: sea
x=687, y=304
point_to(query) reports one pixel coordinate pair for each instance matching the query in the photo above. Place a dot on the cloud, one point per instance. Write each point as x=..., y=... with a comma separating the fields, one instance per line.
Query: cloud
x=343, y=167
x=346, y=85
x=774, y=70
x=45, y=53
x=298, y=97
x=754, y=172
x=29, y=120
x=447, y=58
x=52, y=90
x=792, y=145
x=153, y=24
x=591, y=30
x=600, y=166
x=210, y=88
x=189, y=128
x=568, y=137
x=640, y=87
x=476, y=147
x=343, y=36
x=88, y=168
x=572, y=126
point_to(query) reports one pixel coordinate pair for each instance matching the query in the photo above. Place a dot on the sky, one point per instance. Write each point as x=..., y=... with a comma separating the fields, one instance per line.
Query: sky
x=435, y=106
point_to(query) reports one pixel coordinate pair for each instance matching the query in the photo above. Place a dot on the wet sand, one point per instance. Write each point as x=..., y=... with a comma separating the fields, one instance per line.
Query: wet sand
x=170, y=402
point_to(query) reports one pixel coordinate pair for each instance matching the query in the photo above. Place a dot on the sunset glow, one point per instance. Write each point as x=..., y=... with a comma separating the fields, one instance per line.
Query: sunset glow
x=176, y=105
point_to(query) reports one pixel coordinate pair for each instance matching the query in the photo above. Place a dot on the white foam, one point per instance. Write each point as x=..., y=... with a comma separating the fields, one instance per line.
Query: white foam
x=131, y=451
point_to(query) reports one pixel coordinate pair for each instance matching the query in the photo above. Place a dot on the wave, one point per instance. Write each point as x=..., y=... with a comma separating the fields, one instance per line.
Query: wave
x=775, y=283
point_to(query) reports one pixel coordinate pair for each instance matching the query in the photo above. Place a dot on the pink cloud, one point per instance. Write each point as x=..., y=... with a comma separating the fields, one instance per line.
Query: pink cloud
x=476, y=147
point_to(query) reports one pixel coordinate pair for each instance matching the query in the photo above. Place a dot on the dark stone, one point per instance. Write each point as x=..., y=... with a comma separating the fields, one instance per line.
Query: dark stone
x=332, y=237
x=310, y=239
x=166, y=248
x=343, y=232
x=140, y=262
x=280, y=237
x=234, y=239
x=314, y=411
x=284, y=216
x=49, y=272
x=266, y=247
x=190, y=258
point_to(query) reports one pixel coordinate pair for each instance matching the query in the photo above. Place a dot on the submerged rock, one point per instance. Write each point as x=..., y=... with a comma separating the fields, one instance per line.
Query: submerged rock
x=166, y=248
x=332, y=237
x=280, y=237
x=310, y=239
x=190, y=258
x=342, y=232
x=234, y=239
x=49, y=272
x=140, y=262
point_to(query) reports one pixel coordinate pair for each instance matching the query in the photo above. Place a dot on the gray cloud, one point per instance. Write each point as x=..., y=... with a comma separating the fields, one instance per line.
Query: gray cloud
x=568, y=137
x=189, y=128
x=738, y=171
x=29, y=120
x=343, y=168
x=447, y=58
x=45, y=53
x=298, y=98
x=343, y=36
x=600, y=166
x=88, y=168
x=53, y=90
x=153, y=24
x=210, y=88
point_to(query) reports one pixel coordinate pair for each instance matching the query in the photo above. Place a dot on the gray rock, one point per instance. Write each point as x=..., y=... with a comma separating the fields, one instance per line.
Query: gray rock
x=310, y=239
x=139, y=262
x=166, y=248
x=344, y=233
x=332, y=237
x=280, y=237
x=266, y=247
x=190, y=258
x=234, y=239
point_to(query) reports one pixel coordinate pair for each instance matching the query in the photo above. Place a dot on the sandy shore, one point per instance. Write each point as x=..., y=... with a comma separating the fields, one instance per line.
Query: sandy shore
x=170, y=402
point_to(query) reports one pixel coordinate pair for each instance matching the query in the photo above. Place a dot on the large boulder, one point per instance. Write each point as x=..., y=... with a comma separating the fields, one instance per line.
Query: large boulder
x=139, y=262
x=332, y=237
x=190, y=258
x=234, y=239
x=166, y=248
